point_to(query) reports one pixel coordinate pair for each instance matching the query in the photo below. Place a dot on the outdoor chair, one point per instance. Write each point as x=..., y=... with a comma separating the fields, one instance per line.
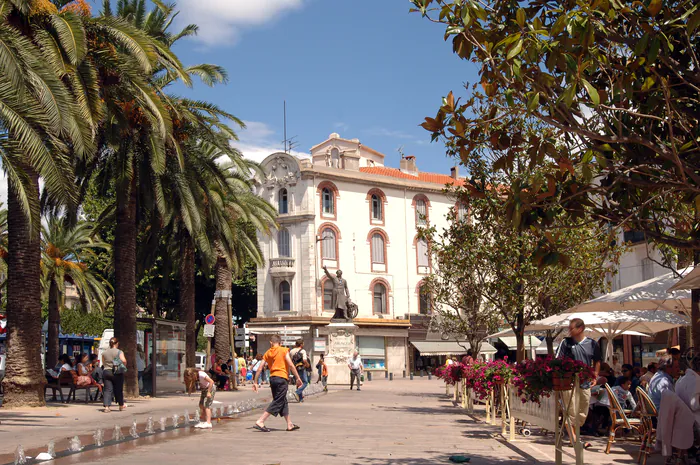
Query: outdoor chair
x=649, y=413
x=619, y=419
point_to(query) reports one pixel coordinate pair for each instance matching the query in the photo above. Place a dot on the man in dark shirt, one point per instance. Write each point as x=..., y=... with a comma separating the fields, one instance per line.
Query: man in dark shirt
x=586, y=350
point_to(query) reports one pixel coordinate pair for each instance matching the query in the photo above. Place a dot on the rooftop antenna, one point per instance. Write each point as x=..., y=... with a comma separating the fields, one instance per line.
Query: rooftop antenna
x=290, y=143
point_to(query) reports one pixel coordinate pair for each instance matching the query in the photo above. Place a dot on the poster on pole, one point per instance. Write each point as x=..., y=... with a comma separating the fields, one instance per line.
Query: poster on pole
x=209, y=330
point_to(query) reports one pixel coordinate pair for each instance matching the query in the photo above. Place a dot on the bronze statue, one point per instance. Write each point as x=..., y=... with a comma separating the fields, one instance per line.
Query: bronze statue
x=345, y=310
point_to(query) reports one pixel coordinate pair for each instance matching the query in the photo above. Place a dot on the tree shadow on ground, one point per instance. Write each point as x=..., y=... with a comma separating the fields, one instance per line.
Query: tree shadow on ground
x=422, y=410
x=438, y=458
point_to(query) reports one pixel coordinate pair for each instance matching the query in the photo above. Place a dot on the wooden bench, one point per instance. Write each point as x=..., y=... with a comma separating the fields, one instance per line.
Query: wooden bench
x=65, y=380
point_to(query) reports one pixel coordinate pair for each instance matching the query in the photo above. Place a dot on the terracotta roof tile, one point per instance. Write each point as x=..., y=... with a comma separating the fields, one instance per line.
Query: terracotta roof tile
x=433, y=178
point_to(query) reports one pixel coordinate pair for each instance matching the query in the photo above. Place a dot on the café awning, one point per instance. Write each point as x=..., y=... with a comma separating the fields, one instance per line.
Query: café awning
x=449, y=347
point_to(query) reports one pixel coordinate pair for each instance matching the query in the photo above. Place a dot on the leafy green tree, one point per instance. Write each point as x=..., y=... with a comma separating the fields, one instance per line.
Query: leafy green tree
x=452, y=291
x=64, y=249
x=616, y=85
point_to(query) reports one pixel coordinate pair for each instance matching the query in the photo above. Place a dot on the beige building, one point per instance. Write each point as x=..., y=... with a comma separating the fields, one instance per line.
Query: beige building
x=342, y=208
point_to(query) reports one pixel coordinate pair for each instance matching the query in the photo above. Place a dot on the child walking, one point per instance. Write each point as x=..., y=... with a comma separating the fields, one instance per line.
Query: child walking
x=208, y=390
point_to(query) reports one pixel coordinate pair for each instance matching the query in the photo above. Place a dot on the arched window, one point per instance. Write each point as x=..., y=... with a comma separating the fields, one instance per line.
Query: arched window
x=422, y=252
x=421, y=213
x=328, y=245
x=328, y=204
x=283, y=243
x=328, y=295
x=283, y=202
x=285, y=296
x=424, y=300
x=379, y=305
x=377, y=213
x=378, y=249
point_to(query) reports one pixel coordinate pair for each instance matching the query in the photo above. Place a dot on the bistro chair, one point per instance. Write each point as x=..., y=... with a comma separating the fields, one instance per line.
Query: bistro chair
x=649, y=413
x=619, y=419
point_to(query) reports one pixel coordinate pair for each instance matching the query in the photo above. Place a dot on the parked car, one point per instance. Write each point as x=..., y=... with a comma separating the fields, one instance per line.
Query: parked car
x=200, y=360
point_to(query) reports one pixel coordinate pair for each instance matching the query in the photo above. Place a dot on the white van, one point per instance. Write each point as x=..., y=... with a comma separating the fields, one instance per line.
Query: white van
x=200, y=360
x=108, y=334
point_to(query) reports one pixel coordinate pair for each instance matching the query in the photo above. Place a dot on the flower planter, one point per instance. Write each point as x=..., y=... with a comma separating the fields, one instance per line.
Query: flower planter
x=563, y=382
x=500, y=382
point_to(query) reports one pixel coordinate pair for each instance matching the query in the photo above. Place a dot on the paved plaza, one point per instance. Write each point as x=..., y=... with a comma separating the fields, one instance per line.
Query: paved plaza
x=388, y=422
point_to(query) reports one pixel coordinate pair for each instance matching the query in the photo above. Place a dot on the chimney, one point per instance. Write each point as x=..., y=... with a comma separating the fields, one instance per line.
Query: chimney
x=408, y=165
x=454, y=172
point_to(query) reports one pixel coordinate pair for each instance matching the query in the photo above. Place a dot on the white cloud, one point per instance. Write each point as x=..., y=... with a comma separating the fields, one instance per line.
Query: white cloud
x=222, y=21
x=258, y=141
x=341, y=126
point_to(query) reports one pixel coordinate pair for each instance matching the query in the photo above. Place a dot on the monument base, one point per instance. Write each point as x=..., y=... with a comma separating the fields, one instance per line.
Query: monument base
x=341, y=345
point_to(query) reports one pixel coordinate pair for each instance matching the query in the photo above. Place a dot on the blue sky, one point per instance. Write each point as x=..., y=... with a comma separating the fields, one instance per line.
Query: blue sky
x=368, y=72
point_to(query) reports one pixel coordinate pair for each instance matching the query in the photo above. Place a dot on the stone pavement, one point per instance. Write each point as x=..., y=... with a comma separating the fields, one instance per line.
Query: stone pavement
x=388, y=422
x=35, y=427
x=400, y=422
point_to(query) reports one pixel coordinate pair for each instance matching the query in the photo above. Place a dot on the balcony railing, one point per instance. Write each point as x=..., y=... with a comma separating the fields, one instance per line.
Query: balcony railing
x=282, y=267
x=282, y=263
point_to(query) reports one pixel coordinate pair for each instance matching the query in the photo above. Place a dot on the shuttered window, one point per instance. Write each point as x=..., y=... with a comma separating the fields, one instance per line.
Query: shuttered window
x=378, y=249
x=423, y=258
x=283, y=243
x=328, y=245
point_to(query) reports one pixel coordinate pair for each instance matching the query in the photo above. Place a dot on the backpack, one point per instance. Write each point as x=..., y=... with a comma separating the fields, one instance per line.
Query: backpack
x=298, y=359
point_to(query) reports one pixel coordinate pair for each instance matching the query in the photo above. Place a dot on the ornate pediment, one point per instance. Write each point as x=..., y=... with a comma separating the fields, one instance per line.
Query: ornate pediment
x=281, y=171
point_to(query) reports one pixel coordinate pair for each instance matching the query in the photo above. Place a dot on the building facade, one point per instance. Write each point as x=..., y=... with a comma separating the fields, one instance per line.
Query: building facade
x=343, y=209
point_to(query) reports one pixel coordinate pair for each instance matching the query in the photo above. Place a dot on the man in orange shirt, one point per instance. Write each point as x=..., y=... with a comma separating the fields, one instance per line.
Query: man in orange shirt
x=279, y=361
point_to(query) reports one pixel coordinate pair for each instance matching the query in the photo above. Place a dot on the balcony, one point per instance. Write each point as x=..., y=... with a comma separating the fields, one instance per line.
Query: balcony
x=282, y=267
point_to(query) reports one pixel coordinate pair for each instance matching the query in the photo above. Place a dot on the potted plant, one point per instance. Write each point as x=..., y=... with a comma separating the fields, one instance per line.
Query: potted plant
x=498, y=372
x=533, y=379
x=563, y=371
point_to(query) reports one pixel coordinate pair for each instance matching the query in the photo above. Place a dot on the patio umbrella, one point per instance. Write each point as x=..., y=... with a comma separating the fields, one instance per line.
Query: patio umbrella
x=689, y=281
x=611, y=324
x=648, y=295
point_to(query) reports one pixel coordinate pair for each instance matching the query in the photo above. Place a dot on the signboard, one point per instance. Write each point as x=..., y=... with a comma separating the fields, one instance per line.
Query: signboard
x=240, y=344
x=320, y=344
x=209, y=319
x=241, y=331
x=209, y=330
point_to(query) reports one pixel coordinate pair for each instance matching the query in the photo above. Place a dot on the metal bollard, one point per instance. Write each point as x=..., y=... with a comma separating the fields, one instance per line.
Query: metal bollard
x=404, y=373
x=386, y=374
x=411, y=376
x=429, y=377
x=421, y=373
x=369, y=376
x=391, y=377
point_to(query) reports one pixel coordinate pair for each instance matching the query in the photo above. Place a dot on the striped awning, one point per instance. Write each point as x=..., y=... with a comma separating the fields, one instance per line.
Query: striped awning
x=281, y=330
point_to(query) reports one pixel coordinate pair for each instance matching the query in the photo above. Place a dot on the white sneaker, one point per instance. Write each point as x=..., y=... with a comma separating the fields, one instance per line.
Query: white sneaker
x=200, y=424
x=206, y=425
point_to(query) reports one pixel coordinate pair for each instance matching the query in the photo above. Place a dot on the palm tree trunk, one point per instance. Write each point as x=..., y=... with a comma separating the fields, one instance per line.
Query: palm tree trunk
x=54, y=325
x=224, y=280
x=24, y=377
x=187, y=297
x=125, y=284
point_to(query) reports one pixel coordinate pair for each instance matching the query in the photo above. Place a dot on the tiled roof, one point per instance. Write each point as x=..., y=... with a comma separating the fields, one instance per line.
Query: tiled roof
x=433, y=178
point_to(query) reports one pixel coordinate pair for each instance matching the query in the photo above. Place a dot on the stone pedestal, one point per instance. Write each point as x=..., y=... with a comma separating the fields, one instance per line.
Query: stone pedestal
x=341, y=344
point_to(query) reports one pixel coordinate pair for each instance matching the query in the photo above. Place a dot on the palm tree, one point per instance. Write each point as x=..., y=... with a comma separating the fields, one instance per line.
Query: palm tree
x=64, y=250
x=233, y=228
x=39, y=121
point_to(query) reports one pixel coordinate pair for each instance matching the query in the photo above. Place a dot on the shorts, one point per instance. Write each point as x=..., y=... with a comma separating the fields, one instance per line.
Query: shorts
x=207, y=401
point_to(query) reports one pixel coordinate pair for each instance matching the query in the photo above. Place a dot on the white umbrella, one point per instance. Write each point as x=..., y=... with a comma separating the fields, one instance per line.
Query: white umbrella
x=648, y=295
x=613, y=323
x=689, y=281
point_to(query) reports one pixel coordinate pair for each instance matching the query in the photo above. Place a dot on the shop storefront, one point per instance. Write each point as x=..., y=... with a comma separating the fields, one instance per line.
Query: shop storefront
x=382, y=344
